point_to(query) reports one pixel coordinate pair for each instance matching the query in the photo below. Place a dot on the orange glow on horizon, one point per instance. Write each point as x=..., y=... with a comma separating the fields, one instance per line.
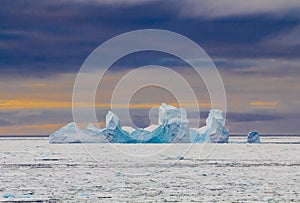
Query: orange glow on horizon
x=30, y=129
x=36, y=104
x=49, y=128
x=37, y=129
x=269, y=104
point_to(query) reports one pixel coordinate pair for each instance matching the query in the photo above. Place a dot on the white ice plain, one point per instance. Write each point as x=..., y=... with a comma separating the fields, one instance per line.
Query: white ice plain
x=34, y=170
x=173, y=127
x=201, y=171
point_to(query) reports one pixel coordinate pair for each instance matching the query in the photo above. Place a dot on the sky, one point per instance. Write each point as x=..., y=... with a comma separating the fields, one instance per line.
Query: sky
x=255, y=46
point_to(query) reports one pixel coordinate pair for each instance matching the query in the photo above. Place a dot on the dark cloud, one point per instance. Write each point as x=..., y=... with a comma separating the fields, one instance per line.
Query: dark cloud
x=140, y=121
x=140, y=117
x=144, y=58
x=266, y=67
x=248, y=117
x=4, y=122
x=38, y=38
x=29, y=117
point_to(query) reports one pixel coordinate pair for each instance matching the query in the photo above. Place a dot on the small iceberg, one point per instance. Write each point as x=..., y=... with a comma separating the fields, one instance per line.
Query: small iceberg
x=253, y=137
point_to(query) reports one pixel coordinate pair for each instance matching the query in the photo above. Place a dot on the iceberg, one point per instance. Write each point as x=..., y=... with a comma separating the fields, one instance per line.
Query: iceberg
x=175, y=123
x=128, y=129
x=92, y=130
x=71, y=133
x=126, y=134
x=253, y=137
x=67, y=134
x=91, y=127
x=198, y=135
x=173, y=127
x=113, y=131
x=215, y=130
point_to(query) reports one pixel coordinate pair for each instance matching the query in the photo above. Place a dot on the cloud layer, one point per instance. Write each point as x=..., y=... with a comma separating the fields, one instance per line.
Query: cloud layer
x=254, y=44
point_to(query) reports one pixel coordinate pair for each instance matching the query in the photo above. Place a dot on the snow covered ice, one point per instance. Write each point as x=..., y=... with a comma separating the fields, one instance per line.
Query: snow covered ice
x=173, y=127
x=71, y=133
x=253, y=137
x=67, y=133
x=36, y=171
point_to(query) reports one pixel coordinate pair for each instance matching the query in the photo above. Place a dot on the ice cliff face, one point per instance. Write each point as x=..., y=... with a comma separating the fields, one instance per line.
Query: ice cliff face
x=253, y=137
x=214, y=131
x=173, y=127
x=215, y=127
x=113, y=131
x=175, y=122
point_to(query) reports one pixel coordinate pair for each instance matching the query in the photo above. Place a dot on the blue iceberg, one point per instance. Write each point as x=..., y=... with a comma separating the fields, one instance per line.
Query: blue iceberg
x=253, y=137
x=113, y=131
x=215, y=130
x=173, y=127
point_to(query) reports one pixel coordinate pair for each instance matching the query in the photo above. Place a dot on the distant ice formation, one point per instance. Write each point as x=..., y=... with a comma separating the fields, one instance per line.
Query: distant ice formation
x=253, y=137
x=173, y=126
x=71, y=133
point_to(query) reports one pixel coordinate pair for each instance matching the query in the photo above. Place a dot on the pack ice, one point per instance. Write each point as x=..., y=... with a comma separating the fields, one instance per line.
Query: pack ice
x=173, y=126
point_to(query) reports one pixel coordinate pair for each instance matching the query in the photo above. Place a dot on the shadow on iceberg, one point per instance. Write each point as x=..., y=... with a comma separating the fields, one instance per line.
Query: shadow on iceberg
x=173, y=127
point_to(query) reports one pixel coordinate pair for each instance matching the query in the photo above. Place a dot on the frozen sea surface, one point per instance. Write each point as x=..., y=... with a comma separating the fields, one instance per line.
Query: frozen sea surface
x=35, y=171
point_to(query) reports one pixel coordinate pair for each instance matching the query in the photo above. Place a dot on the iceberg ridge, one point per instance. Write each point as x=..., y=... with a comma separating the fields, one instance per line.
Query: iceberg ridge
x=173, y=128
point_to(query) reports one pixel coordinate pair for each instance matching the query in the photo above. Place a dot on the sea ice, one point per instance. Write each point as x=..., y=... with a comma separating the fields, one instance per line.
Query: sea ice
x=8, y=196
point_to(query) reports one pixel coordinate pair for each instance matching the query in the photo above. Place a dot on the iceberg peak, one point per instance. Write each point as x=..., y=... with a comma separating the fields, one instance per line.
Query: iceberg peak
x=112, y=120
x=68, y=133
x=215, y=127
